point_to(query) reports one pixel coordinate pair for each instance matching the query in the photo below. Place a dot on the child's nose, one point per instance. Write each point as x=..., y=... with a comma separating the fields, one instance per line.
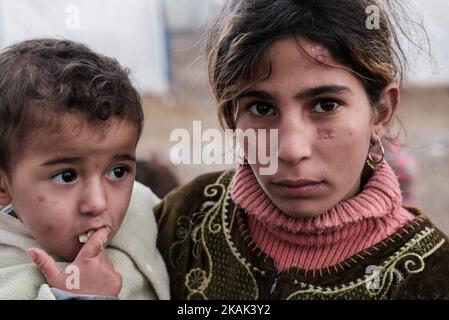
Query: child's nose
x=94, y=200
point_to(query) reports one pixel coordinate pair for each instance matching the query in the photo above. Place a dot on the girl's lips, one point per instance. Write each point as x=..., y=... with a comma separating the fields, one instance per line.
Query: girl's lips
x=298, y=188
x=296, y=183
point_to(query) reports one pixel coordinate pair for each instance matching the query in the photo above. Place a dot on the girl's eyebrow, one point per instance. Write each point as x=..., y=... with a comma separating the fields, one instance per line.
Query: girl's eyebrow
x=326, y=89
x=303, y=94
x=260, y=94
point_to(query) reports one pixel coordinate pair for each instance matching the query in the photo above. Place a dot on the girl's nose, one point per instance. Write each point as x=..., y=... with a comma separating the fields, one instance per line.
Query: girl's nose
x=294, y=141
x=94, y=200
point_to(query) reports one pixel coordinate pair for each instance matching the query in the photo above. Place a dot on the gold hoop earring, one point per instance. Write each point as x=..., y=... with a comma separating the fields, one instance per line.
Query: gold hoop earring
x=376, y=164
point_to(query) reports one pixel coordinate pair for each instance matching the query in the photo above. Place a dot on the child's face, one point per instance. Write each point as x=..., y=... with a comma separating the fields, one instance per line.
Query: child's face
x=78, y=180
x=325, y=122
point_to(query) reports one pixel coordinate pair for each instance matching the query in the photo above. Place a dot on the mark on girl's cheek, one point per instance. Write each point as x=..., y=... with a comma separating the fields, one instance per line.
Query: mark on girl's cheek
x=326, y=134
x=40, y=199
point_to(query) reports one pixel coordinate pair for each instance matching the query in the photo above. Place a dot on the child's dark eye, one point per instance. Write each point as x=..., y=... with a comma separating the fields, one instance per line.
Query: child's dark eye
x=325, y=106
x=66, y=176
x=118, y=172
x=261, y=109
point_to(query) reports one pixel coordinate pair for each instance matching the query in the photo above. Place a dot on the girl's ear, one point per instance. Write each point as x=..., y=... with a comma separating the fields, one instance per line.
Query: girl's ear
x=5, y=198
x=386, y=109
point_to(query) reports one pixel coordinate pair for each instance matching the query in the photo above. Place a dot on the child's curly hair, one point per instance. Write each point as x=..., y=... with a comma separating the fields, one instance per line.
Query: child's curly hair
x=42, y=80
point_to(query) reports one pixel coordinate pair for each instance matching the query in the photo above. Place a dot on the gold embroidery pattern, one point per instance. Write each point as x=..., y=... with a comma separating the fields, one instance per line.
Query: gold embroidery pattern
x=178, y=252
x=206, y=231
x=378, y=285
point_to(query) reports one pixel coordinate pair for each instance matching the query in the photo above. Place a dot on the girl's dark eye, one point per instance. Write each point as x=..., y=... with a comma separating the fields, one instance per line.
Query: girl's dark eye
x=325, y=106
x=260, y=109
x=65, y=177
x=117, y=172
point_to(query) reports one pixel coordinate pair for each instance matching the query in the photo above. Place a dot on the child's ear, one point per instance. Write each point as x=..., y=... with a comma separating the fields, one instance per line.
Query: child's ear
x=386, y=109
x=5, y=198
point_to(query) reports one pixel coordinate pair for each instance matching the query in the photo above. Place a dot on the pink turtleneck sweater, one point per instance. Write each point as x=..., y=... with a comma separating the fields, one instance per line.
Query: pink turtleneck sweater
x=350, y=227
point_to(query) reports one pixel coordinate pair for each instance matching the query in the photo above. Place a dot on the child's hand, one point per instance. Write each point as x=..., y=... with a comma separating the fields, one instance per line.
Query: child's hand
x=97, y=274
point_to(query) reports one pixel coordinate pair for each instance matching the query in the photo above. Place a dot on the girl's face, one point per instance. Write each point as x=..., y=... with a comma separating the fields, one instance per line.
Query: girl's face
x=325, y=124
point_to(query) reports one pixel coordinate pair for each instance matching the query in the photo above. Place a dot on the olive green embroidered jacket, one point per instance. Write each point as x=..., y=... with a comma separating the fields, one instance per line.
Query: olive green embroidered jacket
x=209, y=254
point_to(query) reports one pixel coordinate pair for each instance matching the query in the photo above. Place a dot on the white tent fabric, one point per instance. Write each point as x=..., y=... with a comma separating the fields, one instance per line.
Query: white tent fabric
x=133, y=32
x=191, y=15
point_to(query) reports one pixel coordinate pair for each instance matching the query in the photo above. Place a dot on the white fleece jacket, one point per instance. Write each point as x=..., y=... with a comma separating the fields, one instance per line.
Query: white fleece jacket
x=132, y=251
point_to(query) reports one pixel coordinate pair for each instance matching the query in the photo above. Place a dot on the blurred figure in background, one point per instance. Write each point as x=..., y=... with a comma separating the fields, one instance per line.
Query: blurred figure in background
x=405, y=167
x=156, y=175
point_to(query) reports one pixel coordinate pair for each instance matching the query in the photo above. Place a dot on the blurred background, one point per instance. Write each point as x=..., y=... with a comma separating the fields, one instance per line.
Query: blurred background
x=160, y=42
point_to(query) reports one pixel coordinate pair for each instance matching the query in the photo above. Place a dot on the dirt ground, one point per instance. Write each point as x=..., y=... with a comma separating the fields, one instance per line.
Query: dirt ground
x=424, y=112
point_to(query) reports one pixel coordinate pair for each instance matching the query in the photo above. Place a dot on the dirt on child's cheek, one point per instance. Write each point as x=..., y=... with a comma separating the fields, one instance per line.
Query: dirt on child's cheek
x=44, y=227
x=42, y=230
x=47, y=229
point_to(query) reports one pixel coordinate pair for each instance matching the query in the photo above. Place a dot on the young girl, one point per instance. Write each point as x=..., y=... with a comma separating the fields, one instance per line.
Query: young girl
x=329, y=224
